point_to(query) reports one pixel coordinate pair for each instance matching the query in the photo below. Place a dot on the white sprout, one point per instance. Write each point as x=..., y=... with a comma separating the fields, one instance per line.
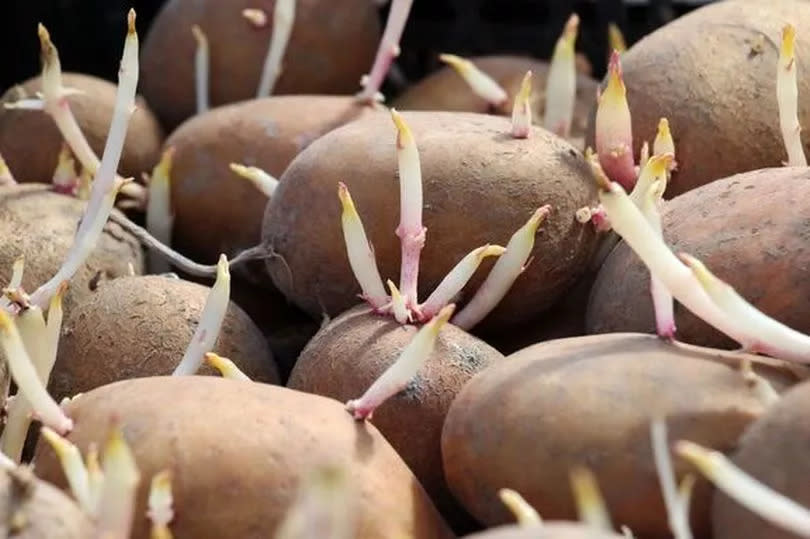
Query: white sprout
x=283, y=20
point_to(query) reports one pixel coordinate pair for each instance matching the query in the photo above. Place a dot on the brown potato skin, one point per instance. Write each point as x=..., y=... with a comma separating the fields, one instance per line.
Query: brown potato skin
x=548, y=530
x=236, y=465
x=348, y=355
x=774, y=451
x=40, y=225
x=751, y=230
x=479, y=187
x=217, y=211
x=524, y=422
x=712, y=77
x=446, y=90
x=148, y=322
x=30, y=141
x=332, y=44
x=45, y=511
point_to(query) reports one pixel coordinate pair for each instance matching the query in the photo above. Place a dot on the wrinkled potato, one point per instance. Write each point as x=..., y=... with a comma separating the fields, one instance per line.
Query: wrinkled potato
x=526, y=421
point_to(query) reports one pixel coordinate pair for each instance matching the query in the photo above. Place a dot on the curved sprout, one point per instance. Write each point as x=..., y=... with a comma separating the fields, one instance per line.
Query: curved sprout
x=226, y=367
x=201, y=69
x=263, y=181
x=479, y=82
x=159, y=216
x=590, y=504
x=561, y=84
x=388, y=50
x=256, y=17
x=283, y=20
x=525, y=514
x=787, y=95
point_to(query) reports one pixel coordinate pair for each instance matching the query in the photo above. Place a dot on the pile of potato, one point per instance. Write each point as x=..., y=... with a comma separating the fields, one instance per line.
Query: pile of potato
x=209, y=321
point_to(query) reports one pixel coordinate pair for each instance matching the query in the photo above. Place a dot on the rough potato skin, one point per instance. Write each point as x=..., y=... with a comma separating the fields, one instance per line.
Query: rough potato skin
x=774, y=451
x=30, y=141
x=348, y=355
x=333, y=43
x=712, y=73
x=524, y=422
x=40, y=225
x=34, y=509
x=446, y=90
x=216, y=211
x=548, y=530
x=479, y=186
x=751, y=230
x=140, y=326
x=237, y=451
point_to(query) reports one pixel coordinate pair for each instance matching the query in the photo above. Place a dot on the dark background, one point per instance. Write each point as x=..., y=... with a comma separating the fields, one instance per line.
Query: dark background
x=88, y=32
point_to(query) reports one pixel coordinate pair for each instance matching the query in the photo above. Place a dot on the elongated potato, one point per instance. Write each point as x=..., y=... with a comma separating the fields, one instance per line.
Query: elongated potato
x=712, y=73
x=750, y=229
x=331, y=46
x=588, y=401
x=345, y=358
x=217, y=211
x=774, y=451
x=238, y=451
x=30, y=141
x=480, y=186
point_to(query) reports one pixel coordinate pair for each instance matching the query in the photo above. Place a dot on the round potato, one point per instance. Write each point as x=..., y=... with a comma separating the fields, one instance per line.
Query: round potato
x=480, y=186
x=40, y=225
x=774, y=451
x=331, y=46
x=252, y=446
x=216, y=211
x=348, y=355
x=750, y=229
x=30, y=141
x=588, y=401
x=712, y=73
x=34, y=509
x=149, y=322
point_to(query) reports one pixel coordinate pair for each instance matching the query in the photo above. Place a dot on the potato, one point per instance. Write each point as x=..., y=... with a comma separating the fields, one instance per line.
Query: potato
x=149, y=322
x=774, y=451
x=238, y=450
x=446, y=90
x=480, y=186
x=750, y=229
x=34, y=509
x=333, y=43
x=30, y=141
x=346, y=356
x=548, y=530
x=712, y=73
x=40, y=225
x=215, y=210
x=526, y=421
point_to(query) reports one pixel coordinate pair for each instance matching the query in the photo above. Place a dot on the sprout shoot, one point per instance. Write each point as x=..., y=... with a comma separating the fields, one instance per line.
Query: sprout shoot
x=644, y=156
x=256, y=17
x=522, y=109
x=677, y=509
x=95, y=477
x=360, y=252
x=106, y=184
x=211, y=318
x=745, y=490
x=226, y=367
x=664, y=143
x=201, y=69
x=756, y=331
x=6, y=178
x=25, y=376
x=17, y=270
x=479, y=82
x=387, y=52
x=457, y=278
x=655, y=170
x=73, y=466
x=614, y=131
x=398, y=307
x=663, y=304
x=508, y=267
x=263, y=181
x=323, y=507
x=616, y=39
x=761, y=387
x=590, y=504
x=65, y=180
x=159, y=216
x=283, y=19
x=398, y=375
x=525, y=514
x=121, y=477
x=410, y=231
x=787, y=95
x=160, y=511
x=561, y=84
